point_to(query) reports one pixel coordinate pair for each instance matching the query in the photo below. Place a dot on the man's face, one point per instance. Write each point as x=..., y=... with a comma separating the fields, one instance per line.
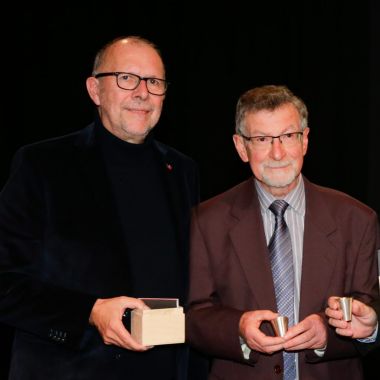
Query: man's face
x=128, y=114
x=277, y=166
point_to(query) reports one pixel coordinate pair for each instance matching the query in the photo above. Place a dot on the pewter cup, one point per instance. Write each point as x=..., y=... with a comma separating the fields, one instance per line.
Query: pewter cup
x=280, y=325
x=346, y=306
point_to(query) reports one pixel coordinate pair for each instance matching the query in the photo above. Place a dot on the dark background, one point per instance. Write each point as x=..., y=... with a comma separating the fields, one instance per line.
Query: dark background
x=326, y=52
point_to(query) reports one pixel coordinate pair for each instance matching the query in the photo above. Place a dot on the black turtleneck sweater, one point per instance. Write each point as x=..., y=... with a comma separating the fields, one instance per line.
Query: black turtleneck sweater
x=135, y=172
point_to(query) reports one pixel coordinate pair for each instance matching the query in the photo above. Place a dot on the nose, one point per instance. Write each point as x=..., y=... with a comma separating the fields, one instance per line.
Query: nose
x=141, y=90
x=277, y=149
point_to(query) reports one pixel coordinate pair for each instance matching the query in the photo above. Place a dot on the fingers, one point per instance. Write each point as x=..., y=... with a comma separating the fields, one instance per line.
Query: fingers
x=345, y=331
x=362, y=325
x=132, y=303
x=116, y=334
x=106, y=316
x=333, y=302
x=335, y=314
x=311, y=333
x=338, y=323
x=249, y=327
x=253, y=319
x=258, y=341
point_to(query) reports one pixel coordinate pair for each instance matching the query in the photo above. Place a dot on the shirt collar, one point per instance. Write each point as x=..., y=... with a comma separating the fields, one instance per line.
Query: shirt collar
x=296, y=198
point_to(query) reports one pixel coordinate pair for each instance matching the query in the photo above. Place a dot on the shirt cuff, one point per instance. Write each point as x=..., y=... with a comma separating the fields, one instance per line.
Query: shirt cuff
x=244, y=348
x=320, y=351
x=371, y=338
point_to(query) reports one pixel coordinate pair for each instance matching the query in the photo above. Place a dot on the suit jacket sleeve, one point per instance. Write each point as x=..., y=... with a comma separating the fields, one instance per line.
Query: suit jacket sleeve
x=29, y=301
x=365, y=348
x=360, y=281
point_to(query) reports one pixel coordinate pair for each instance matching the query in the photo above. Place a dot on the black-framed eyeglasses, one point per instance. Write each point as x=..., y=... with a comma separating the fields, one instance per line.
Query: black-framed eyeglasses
x=263, y=142
x=129, y=81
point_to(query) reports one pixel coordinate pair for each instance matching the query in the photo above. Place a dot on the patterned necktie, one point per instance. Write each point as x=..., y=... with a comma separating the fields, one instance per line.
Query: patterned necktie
x=280, y=251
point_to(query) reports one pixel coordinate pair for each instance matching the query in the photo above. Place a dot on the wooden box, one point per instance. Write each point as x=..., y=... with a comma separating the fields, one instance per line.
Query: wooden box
x=160, y=324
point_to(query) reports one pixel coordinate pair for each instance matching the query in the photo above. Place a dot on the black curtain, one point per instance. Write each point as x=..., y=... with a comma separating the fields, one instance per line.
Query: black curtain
x=327, y=52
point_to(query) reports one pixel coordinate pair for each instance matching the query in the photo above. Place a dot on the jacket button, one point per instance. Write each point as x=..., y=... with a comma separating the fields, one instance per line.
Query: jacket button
x=277, y=369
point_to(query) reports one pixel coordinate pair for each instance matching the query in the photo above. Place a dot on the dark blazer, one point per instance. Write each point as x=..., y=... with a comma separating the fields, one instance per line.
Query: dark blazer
x=230, y=274
x=61, y=248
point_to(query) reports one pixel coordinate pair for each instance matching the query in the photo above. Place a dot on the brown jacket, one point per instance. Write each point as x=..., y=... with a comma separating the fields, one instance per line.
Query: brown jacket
x=230, y=273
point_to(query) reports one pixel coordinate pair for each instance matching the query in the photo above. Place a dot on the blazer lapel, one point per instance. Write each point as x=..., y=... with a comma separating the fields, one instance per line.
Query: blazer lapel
x=179, y=204
x=179, y=196
x=248, y=238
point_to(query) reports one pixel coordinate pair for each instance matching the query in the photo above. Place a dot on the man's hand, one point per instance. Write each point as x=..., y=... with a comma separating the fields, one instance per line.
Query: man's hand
x=311, y=333
x=106, y=315
x=249, y=328
x=362, y=325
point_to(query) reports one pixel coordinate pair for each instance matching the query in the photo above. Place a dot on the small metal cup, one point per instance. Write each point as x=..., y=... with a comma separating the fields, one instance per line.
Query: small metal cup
x=280, y=325
x=346, y=307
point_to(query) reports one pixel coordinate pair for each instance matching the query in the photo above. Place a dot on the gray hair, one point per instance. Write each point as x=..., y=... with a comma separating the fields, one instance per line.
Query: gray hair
x=269, y=98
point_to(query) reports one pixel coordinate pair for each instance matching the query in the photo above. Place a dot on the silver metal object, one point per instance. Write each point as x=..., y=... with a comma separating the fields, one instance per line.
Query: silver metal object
x=280, y=325
x=346, y=306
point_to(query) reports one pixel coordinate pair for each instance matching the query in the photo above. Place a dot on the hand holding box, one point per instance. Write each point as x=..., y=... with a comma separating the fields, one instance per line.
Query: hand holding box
x=163, y=323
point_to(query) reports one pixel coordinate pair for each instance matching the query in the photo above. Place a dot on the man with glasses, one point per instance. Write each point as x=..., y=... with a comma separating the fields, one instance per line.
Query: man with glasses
x=92, y=221
x=276, y=246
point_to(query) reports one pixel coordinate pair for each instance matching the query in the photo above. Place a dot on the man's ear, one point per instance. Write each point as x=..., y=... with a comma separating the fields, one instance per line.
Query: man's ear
x=305, y=140
x=92, y=85
x=240, y=147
